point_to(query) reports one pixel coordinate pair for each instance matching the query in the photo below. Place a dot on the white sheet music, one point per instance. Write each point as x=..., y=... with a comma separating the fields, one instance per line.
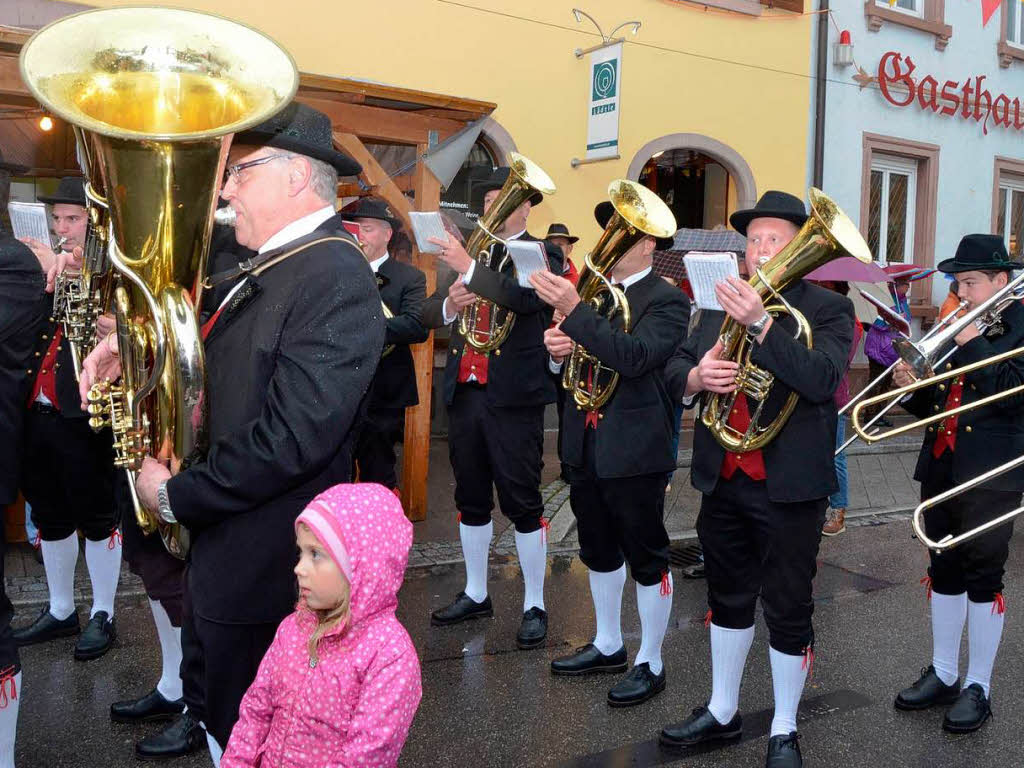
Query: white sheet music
x=427, y=224
x=29, y=220
x=529, y=257
x=704, y=270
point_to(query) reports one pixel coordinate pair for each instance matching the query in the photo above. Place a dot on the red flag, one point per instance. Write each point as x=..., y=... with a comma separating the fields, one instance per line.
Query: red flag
x=988, y=7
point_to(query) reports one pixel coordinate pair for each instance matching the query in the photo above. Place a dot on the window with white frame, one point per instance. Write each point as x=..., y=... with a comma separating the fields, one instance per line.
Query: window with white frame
x=1010, y=214
x=1015, y=24
x=912, y=7
x=891, y=211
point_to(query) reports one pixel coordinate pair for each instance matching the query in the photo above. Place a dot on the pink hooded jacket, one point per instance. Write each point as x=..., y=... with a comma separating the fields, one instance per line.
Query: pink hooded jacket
x=355, y=706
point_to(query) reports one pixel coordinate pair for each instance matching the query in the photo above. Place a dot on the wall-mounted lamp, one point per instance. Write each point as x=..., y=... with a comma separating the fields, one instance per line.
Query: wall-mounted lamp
x=606, y=40
x=842, y=52
x=45, y=123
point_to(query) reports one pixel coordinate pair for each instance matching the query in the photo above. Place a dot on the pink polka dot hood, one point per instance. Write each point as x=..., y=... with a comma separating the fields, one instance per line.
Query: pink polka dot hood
x=355, y=705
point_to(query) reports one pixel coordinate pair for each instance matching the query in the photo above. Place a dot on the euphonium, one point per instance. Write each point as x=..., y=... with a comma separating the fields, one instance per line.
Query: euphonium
x=525, y=178
x=157, y=94
x=827, y=234
x=638, y=213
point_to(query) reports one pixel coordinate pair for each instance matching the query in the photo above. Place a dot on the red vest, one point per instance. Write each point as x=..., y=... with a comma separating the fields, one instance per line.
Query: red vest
x=751, y=463
x=46, y=379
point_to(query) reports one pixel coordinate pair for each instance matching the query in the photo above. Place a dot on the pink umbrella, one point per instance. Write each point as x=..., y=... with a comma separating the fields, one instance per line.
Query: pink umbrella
x=852, y=271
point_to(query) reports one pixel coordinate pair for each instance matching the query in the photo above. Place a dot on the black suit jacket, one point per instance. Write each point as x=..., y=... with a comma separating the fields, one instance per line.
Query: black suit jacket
x=990, y=435
x=68, y=399
x=402, y=288
x=289, y=362
x=517, y=373
x=24, y=309
x=799, y=463
x=634, y=433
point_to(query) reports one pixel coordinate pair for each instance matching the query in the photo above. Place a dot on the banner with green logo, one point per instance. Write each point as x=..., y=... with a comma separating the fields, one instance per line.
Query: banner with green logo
x=603, y=117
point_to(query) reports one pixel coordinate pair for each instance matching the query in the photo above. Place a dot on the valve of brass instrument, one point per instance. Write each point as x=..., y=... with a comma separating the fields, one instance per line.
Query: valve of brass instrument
x=99, y=405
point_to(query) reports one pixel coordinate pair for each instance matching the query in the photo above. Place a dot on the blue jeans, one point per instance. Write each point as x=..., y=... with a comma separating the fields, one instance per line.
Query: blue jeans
x=676, y=426
x=840, y=499
x=30, y=530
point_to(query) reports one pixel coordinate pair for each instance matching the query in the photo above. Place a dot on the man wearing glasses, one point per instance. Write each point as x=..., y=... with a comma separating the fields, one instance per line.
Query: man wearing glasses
x=290, y=352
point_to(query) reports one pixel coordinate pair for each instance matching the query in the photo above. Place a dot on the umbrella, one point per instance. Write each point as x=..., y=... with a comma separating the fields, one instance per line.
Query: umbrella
x=850, y=270
x=866, y=313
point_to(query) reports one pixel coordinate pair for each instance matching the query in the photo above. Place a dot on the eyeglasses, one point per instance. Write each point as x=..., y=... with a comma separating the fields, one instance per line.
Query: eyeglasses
x=233, y=172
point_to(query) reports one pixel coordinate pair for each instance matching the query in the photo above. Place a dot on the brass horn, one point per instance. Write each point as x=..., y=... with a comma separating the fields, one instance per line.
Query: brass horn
x=827, y=234
x=156, y=94
x=638, y=213
x=483, y=324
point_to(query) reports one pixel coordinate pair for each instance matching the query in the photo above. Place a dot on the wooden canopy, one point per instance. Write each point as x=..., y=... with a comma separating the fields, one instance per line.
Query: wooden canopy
x=361, y=113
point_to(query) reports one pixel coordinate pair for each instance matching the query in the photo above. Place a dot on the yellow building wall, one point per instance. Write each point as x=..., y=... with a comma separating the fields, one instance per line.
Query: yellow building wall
x=738, y=79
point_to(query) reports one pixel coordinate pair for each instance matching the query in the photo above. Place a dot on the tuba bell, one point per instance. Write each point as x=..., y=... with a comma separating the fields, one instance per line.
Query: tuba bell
x=826, y=235
x=638, y=213
x=155, y=95
x=483, y=324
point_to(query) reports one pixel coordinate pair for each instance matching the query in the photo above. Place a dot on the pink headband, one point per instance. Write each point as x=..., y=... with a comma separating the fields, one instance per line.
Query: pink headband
x=327, y=529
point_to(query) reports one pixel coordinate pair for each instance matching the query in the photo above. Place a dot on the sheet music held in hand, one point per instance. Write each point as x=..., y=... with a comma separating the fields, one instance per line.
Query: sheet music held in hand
x=427, y=224
x=529, y=257
x=29, y=220
x=704, y=270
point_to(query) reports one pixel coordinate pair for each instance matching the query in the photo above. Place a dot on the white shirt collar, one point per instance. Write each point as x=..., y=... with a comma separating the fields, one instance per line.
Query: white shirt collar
x=375, y=264
x=636, y=277
x=297, y=228
x=517, y=235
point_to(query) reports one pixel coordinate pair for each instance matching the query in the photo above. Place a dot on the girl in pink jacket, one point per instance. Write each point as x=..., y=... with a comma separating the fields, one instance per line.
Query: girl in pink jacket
x=341, y=683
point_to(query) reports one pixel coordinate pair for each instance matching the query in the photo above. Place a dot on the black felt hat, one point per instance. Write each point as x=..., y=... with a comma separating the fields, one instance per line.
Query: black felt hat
x=371, y=208
x=70, y=191
x=603, y=213
x=302, y=129
x=772, y=205
x=979, y=252
x=496, y=180
x=560, y=230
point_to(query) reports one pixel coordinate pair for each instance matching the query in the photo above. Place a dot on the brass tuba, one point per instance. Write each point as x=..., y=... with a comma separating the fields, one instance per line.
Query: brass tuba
x=156, y=94
x=639, y=212
x=827, y=235
x=483, y=324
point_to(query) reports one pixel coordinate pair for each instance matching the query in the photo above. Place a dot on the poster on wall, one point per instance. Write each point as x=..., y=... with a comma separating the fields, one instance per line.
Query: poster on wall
x=603, y=114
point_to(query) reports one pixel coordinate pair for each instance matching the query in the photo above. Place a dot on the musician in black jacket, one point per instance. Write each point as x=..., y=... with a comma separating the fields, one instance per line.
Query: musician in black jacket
x=290, y=354
x=966, y=582
x=496, y=417
x=617, y=458
x=402, y=289
x=22, y=314
x=761, y=512
x=68, y=470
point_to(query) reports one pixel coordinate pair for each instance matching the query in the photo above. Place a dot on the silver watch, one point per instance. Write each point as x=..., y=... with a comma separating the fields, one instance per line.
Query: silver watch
x=757, y=327
x=163, y=502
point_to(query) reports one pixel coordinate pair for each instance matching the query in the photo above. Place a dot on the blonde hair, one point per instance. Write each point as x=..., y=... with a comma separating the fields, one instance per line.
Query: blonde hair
x=326, y=618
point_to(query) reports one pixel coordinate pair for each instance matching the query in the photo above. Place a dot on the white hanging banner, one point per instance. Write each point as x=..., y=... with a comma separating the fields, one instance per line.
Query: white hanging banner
x=603, y=114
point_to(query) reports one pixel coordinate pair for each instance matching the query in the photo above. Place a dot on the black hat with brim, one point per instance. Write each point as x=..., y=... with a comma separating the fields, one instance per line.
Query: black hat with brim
x=603, y=214
x=978, y=253
x=496, y=180
x=371, y=208
x=560, y=230
x=772, y=205
x=70, y=191
x=300, y=128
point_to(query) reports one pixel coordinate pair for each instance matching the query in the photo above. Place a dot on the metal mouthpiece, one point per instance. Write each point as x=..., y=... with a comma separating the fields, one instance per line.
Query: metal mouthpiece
x=225, y=215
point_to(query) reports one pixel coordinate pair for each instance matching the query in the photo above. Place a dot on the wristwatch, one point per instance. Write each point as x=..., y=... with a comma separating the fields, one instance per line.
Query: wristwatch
x=163, y=502
x=757, y=327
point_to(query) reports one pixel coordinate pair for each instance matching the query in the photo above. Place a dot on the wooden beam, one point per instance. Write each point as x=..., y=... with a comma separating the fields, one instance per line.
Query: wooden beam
x=379, y=124
x=311, y=82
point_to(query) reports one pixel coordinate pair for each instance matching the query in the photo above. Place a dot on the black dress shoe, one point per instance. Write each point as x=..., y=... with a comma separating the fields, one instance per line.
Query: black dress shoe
x=928, y=691
x=639, y=685
x=45, y=628
x=970, y=712
x=152, y=706
x=462, y=608
x=181, y=737
x=701, y=726
x=532, y=629
x=784, y=752
x=695, y=571
x=97, y=637
x=587, y=660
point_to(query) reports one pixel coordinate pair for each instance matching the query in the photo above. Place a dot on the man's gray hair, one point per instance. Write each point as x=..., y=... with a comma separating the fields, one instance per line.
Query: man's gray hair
x=323, y=177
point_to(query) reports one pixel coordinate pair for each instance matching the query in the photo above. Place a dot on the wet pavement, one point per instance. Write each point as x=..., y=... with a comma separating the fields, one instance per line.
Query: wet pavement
x=487, y=704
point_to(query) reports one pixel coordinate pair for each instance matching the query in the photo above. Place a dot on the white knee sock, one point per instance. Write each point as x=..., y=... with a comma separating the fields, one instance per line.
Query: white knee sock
x=788, y=676
x=949, y=612
x=654, y=608
x=170, y=653
x=729, y=649
x=59, y=559
x=216, y=752
x=606, y=591
x=476, y=546
x=984, y=630
x=533, y=562
x=9, y=719
x=103, y=559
